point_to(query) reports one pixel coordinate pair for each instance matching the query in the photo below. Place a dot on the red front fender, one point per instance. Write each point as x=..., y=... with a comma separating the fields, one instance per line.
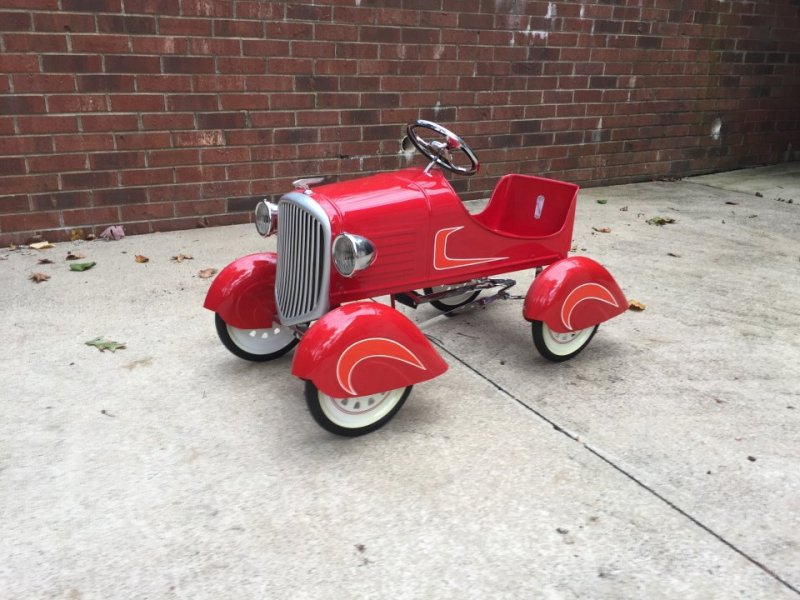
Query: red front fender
x=573, y=294
x=243, y=292
x=365, y=348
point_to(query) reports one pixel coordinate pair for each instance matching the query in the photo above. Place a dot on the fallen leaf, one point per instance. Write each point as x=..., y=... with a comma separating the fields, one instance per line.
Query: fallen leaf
x=660, y=221
x=90, y=237
x=140, y=258
x=75, y=255
x=12, y=247
x=602, y=201
x=624, y=209
x=206, y=273
x=39, y=277
x=104, y=345
x=182, y=257
x=636, y=305
x=602, y=229
x=45, y=261
x=115, y=232
x=673, y=254
x=77, y=234
x=759, y=195
x=42, y=245
x=4, y=256
x=81, y=266
x=732, y=203
x=752, y=217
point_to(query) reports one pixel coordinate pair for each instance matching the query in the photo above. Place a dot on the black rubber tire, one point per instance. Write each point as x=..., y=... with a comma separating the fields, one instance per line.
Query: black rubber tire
x=448, y=307
x=312, y=400
x=539, y=333
x=225, y=338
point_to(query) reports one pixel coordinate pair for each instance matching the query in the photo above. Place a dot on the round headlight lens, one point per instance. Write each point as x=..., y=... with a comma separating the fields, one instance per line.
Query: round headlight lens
x=352, y=253
x=266, y=218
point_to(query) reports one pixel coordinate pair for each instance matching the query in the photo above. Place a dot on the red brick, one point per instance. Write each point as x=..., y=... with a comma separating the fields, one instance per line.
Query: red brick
x=29, y=222
x=142, y=141
x=92, y=123
x=168, y=121
x=40, y=43
x=106, y=83
x=21, y=105
x=137, y=103
x=10, y=204
x=180, y=26
x=16, y=145
x=188, y=64
x=220, y=83
x=99, y=43
x=30, y=82
x=56, y=163
x=11, y=166
x=204, y=8
x=158, y=158
x=28, y=184
x=71, y=63
x=82, y=103
x=91, y=216
x=164, y=83
x=157, y=7
x=119, y=196
x=15, y=21
x=87, y=180
x=132, y=64
x=61, y=200
x=146, y=177
x=199, y=208
x=126, y=24
x=238, y=29
x=145, y=212
x=199, y=138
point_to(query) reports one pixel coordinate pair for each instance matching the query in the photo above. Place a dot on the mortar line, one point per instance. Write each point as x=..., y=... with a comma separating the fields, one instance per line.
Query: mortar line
x=621, y=470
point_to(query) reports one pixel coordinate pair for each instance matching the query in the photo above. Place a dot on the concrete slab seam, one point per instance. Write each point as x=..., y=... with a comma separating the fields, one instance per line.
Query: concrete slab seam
x=596, y=452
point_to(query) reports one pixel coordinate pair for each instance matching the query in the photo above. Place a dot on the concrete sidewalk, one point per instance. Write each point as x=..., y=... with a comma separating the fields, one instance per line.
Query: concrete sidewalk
x=663, y=462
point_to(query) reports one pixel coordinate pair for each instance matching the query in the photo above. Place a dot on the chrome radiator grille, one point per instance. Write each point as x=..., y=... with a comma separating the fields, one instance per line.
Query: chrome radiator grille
x=303, y=277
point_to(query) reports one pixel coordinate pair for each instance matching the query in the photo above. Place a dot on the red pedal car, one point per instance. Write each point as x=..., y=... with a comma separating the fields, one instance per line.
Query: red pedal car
x=406, y=235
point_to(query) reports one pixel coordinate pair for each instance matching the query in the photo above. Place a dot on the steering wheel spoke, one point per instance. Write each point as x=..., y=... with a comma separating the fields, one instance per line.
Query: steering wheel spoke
x=441, y=152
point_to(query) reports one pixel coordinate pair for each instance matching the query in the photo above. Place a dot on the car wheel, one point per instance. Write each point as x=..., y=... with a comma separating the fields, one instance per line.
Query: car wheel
x=446, y=304
x=558, y=347
x=354, y=416
x=258, y=345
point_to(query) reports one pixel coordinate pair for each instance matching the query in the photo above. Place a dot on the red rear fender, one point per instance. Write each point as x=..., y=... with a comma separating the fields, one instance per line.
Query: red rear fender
x=243, y=292
x=365, y=348
x=572, y=294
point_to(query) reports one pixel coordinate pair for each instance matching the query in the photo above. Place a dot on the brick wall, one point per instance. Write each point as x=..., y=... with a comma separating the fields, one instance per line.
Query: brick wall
x=171, y=114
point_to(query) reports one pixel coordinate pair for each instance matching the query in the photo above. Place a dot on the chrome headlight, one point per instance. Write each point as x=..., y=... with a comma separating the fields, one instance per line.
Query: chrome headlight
x=352, y=253
x=266, y=218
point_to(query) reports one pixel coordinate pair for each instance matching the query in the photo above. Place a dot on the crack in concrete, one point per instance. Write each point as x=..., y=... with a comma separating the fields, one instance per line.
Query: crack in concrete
x=575, y=438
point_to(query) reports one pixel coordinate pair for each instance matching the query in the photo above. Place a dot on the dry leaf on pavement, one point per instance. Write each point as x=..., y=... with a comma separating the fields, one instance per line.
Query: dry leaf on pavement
x=39, y=277
x=45, y=261
x=81, y=266
x=71, y=255
x=141, y=258
x=42, y=245
x=115, y=232
x=182, y=257
x=206, y=273
x=104, y=345
x=660, y=221
x=636, y=305
x=602, y=229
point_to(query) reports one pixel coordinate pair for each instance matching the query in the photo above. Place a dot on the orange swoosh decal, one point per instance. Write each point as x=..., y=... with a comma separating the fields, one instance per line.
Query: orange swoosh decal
x=442, y=261
x=371, y=348
x=587, y=291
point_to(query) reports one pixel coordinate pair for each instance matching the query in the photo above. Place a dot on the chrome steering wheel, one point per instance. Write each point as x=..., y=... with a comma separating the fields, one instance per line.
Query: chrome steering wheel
x=440, y=152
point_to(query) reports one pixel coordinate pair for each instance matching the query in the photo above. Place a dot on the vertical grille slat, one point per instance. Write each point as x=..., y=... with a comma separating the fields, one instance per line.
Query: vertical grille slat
x=302, y=283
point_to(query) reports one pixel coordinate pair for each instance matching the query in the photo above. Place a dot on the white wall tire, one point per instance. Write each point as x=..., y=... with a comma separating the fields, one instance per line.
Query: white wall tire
x=446, y=304
x=558, y=347
x=258, y=345
x=354, y=416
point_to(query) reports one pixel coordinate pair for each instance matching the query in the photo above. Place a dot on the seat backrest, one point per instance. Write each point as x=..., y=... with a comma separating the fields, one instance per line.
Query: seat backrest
x=528, y=206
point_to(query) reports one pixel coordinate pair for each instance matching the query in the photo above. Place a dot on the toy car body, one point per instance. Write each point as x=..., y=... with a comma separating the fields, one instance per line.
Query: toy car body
x=406, y=235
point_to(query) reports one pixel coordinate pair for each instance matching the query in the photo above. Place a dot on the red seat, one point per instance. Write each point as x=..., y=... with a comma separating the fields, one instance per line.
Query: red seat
x=528, y=206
